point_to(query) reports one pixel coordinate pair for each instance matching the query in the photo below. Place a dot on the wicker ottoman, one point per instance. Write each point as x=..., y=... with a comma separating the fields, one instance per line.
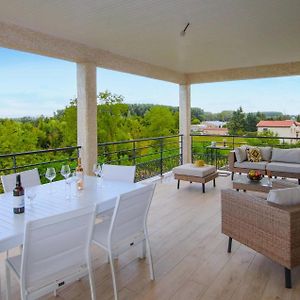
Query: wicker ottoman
x=191, y=173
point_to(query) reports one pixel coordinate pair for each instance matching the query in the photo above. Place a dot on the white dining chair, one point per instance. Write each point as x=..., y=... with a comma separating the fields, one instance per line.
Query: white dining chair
x=127, y=229
x=56, y=252
x=118, y=173
x=28, y=178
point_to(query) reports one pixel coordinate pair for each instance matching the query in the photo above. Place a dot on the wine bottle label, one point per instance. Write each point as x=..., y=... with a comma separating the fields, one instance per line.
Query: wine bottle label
x=18, y=201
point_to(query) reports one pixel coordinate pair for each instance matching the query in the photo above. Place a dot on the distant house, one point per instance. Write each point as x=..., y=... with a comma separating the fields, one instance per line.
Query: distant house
x=287, y=128
x=217, y=130
x=197, y=127
x=210, y=127
x=213, y=124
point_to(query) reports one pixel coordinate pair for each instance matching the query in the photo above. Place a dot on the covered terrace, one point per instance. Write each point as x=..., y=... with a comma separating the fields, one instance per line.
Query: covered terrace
x=225, y=40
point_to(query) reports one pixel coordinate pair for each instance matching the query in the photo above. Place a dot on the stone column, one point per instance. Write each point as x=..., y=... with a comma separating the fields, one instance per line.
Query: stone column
x=185, y=120
x=87, y=115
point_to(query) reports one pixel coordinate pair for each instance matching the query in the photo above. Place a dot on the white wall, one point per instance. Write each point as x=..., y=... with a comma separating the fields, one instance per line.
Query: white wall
x=281, y=131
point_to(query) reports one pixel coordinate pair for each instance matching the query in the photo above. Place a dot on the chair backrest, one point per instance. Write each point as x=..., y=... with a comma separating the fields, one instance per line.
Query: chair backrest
x=129, y=221
x=56, y=245
x=119, y=173
x=28, y=178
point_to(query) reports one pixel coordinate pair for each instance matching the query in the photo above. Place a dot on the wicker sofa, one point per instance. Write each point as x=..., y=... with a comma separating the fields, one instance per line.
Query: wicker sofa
x=269, y=229
x=275, y=162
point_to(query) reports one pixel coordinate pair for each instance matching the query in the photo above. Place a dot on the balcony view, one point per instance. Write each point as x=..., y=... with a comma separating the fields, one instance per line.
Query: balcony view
x=149, y=150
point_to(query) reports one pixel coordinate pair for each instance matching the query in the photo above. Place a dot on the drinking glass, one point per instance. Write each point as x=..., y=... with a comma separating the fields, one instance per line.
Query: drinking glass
x=50, y=175
x=73, y=181
x=69, y=181
x=65, y=171
x=97, y=169
x=30, y=193
x=100, y=174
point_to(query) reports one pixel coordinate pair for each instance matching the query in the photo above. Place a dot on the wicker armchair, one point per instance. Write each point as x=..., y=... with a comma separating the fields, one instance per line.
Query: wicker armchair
x=271, y=230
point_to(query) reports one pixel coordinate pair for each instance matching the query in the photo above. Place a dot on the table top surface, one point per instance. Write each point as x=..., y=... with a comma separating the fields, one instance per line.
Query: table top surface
x=51, y=199
x=243, y=182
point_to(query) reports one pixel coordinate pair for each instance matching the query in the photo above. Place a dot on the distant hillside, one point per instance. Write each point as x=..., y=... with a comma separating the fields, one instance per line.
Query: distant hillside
x=272, y=114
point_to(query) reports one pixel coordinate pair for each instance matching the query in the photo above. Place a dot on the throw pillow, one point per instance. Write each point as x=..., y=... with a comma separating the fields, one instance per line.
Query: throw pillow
x=287, y=196
x=266, y=153
x=240, y=154
x=254, y=154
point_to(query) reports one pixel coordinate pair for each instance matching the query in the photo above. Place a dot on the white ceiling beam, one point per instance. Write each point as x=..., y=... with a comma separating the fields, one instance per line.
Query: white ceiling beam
x=23, y=39
x=264, y=71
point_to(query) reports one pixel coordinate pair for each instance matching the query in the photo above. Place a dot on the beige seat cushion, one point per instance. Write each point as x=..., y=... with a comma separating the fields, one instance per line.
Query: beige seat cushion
x=261, y=165
x=283, y=167
x=191, y=170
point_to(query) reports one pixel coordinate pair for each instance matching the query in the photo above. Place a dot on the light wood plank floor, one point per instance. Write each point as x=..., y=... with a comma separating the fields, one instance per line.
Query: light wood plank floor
x=190, y=258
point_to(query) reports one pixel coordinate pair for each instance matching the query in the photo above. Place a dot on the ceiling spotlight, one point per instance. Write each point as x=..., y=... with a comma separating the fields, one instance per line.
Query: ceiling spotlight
x=182, y=33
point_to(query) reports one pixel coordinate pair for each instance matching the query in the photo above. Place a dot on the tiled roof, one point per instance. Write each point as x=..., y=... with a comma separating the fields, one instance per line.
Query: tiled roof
x=286, y=123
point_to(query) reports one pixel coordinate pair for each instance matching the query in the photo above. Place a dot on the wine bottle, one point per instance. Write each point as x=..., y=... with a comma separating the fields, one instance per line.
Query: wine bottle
x=79, y=175
x=18, y=196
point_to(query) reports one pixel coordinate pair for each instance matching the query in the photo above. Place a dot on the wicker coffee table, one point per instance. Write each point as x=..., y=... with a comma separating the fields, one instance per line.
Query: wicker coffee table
x=242, y=182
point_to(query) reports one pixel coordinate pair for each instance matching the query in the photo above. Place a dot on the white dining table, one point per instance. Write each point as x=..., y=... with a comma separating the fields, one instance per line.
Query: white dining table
x=54, y=198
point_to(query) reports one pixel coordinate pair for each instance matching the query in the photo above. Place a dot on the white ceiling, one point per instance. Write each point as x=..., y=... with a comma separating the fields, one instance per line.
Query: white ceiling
x=223, y=33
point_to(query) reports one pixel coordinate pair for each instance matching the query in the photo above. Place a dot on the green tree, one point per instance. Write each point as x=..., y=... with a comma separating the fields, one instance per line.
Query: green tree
x=159, y=121
x=197, y=113
x=195, y=121
x=251, y=122
x=225, y=115
x=17, y=137
x=265, y=142
x=69, y=124
x=236, y=124
x=111, y=117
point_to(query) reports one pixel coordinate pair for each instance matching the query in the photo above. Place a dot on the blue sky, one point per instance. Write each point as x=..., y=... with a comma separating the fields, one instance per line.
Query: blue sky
x=31, y=85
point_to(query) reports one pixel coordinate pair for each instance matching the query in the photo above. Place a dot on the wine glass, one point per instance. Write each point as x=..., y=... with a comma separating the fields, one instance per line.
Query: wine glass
x=69, y=181
x=30, y=193
x=100, y=174
x=65, y=171
x=50, y=175
x=72, y=180
x=97, y=169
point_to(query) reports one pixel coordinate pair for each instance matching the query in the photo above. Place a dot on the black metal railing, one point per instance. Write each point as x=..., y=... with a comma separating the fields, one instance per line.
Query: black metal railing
x=214, y=149
x=40, y=159
x=151, y=156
